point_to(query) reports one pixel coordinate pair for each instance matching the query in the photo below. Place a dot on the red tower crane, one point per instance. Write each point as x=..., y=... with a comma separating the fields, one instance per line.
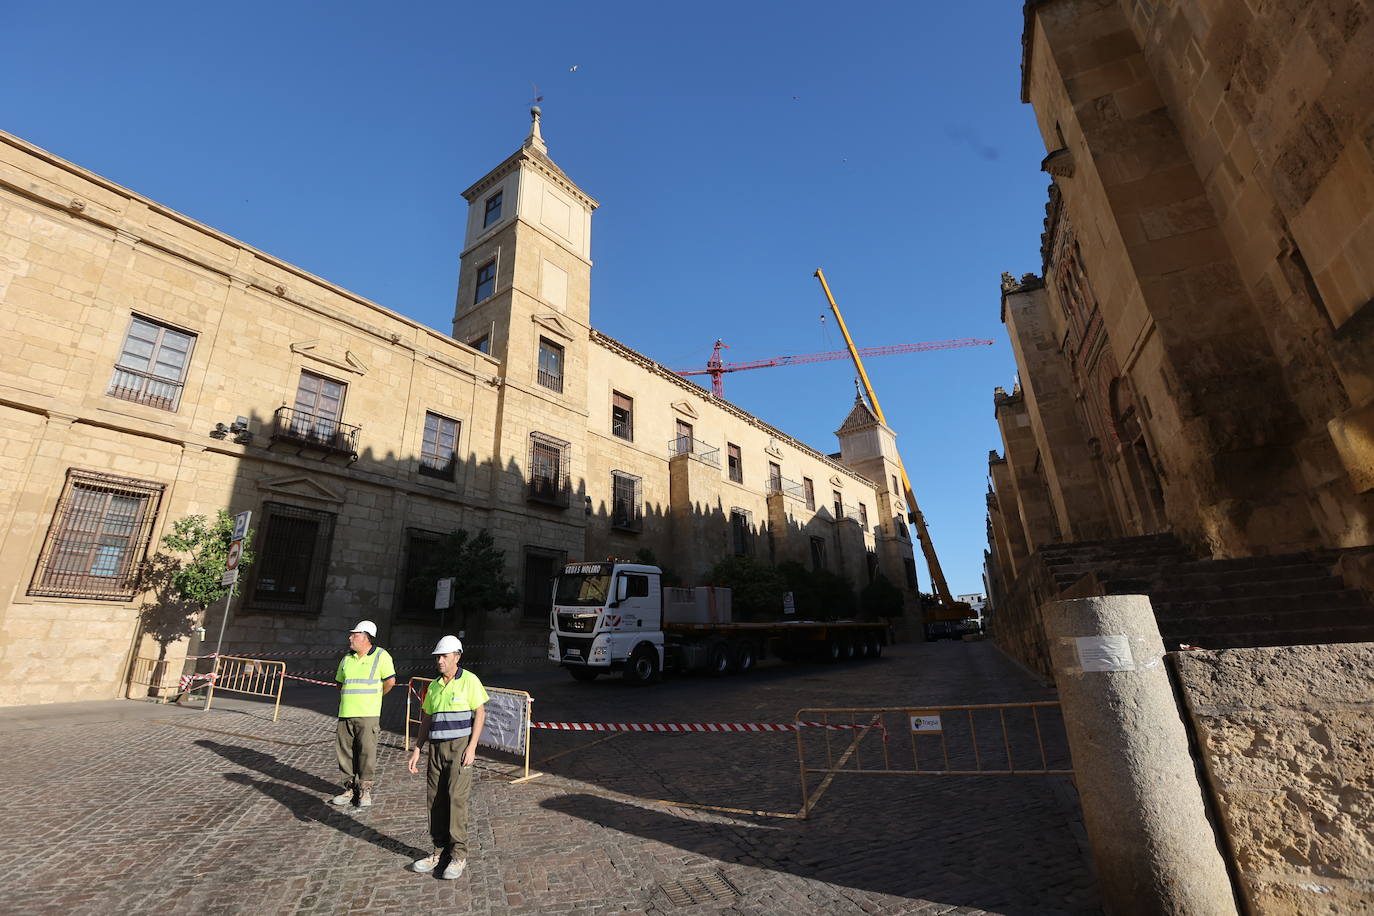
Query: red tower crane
x=717, y=369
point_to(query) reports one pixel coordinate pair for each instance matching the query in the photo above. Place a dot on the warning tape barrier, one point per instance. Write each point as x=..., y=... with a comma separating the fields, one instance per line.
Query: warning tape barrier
x=311, y=680
x=424, y=649
x=694, y=726
x=188, y=679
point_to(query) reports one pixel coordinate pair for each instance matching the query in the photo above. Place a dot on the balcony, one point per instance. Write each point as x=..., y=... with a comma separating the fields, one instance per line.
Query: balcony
x=786, y=487
x=551, y=380
x=695, y=449
x=307, y=430
x=144, y=388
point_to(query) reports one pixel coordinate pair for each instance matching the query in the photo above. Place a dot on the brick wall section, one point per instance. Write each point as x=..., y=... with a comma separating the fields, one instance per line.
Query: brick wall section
x=1287, y=736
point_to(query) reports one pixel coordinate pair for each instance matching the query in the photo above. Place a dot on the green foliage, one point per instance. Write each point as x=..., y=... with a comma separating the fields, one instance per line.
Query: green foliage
x=668, y=577
x=197, y=580
x=880, y=598
x=184, y=576
x=756, y=587
x=477, y=567
x=819, y=595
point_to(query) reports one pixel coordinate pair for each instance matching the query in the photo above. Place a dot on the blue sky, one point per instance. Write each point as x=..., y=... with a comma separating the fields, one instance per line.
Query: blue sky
x=734, y=148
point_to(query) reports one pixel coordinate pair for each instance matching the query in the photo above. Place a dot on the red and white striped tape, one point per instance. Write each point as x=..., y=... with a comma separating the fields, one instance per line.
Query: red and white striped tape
x=309, y=680
x=691, y=726
x=188, y=679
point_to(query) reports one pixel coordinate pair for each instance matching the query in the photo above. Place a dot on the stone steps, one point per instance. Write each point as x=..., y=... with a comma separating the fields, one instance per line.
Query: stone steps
x=1278, y=599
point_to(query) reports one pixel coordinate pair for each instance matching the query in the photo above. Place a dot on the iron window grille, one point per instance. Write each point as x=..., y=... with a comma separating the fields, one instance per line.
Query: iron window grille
x=550, y=373
x=98, y=537
x=152, y=364
x=293, y=560
x=486, y=281
x=439, y=451
x=734, y=463
x=417, y=596
x=492, y=212
x=626, y=500
x=549, y=476
x=740, y=533
x=622, y=416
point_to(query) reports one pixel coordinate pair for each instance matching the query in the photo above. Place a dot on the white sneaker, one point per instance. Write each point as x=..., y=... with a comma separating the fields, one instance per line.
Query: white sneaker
x=345, y=799
x=365, y=799
x=454, y=869
x=428, y=863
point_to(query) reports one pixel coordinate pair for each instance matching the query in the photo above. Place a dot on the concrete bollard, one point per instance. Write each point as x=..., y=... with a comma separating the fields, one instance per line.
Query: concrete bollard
x=1154, y=848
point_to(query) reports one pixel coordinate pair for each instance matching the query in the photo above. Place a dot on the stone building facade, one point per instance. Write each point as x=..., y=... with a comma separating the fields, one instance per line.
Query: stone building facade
x=152, y=368
x=1196, y=357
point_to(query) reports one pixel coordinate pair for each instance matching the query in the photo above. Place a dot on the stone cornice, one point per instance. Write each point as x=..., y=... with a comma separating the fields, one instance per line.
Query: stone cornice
x=50, y=194
x=539, y=163
x=1027, y=42
x=664, y=372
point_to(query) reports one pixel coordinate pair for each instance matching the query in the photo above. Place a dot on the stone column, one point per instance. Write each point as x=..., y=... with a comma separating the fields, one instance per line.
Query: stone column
x=1155, y=850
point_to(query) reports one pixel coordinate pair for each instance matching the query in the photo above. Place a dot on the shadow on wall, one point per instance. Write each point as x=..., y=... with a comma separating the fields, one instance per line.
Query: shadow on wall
x=341, y=530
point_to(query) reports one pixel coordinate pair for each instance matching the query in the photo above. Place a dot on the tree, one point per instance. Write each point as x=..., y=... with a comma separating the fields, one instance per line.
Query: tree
x=880, y=598
x=477, y=567
x=668, y=576
x=184, y=576
x=755, y=587
x=818, y=594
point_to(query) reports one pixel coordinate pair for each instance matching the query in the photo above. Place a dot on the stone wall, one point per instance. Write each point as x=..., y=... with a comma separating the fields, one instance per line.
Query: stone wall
x=1287, y=737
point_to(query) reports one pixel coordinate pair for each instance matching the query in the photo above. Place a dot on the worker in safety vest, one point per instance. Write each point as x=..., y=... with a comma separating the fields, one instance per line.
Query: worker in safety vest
x=365, y=675
x=451, y=721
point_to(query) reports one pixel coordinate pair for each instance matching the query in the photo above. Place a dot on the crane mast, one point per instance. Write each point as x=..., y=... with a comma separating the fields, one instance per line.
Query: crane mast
x=937, y=575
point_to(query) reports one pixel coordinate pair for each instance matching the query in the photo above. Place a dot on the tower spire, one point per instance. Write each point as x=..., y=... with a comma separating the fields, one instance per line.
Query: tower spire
x=536, y=140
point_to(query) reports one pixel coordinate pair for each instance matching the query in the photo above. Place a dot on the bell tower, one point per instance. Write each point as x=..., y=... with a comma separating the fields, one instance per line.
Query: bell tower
x=524, y=280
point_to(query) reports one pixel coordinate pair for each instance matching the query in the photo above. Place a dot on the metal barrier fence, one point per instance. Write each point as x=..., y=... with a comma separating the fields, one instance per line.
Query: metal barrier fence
x=507, y=724
x=155, y=673
x=1000, y=739
x=252, y=676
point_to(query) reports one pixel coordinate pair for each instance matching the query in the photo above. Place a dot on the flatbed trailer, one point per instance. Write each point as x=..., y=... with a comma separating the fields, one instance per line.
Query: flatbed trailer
x=616, y=617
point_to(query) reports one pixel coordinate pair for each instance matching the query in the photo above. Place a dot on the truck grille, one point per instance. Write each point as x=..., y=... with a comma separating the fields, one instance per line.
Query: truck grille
x=577, y=624
x=581, y=643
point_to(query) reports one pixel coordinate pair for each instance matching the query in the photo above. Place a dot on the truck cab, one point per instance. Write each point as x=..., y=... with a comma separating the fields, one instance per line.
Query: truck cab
x=608, y=616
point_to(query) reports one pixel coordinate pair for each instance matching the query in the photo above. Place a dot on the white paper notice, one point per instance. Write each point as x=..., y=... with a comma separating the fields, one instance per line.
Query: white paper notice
x=1104, y=653
x=925, y=724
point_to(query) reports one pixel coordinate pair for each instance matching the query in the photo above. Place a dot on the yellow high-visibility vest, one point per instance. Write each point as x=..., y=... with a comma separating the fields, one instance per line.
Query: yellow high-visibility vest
x=361, y=677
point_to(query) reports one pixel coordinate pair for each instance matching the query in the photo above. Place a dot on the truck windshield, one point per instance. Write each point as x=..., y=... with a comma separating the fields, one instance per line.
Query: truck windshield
x=587, y=587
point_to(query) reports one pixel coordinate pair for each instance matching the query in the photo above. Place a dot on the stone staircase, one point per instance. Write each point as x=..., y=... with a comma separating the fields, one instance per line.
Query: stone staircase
x=1273, y=600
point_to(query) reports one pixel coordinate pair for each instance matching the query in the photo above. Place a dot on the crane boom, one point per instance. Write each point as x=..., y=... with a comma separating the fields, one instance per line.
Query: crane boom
x=937, y=575
x=715, y=368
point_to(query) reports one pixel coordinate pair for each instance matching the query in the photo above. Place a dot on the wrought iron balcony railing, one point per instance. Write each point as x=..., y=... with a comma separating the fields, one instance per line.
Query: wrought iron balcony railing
x=312, y=431
x=694, y=448
x=786, y=488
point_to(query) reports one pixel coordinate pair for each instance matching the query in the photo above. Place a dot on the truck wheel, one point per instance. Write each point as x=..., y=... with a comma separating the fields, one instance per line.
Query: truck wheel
x=860, y=645
x=642, y=667
x=874, y=645
x=847, y=648
x=833, y=650
x=718, y=661
x=744, y=657
x=583, y=674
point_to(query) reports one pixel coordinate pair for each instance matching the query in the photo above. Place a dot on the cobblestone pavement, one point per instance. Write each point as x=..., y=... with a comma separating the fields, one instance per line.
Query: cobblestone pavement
x=169, y=810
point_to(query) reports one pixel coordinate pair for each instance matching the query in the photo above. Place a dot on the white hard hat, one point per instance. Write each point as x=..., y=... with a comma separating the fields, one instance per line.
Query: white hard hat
x=448, y=644
x=365, y=626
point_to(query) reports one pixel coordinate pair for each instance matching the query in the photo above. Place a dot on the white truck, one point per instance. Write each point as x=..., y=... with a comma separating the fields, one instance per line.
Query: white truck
x=613, y=616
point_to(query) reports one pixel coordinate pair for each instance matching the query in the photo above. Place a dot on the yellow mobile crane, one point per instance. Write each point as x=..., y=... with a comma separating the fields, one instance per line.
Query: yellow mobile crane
x=949, y=617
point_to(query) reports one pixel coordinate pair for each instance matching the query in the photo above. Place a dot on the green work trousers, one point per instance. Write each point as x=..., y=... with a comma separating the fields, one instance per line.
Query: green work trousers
x=448, y=785
x=358, y=750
